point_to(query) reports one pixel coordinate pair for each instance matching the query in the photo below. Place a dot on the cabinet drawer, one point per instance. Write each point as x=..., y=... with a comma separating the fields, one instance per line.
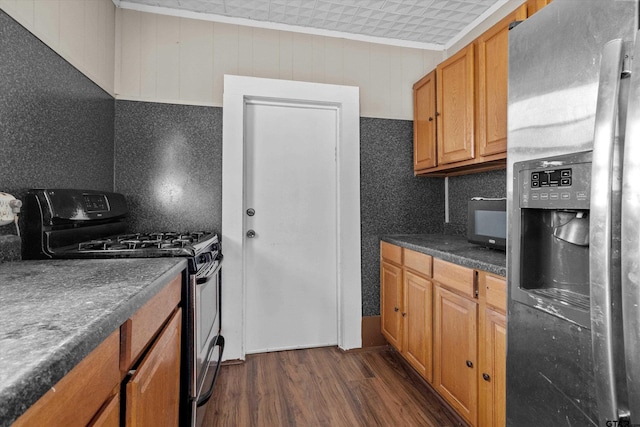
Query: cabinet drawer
x=76, y=398
x=454, y=277
x=391, y=252
x=496, y=291
x=137, y=331
x=419, y=262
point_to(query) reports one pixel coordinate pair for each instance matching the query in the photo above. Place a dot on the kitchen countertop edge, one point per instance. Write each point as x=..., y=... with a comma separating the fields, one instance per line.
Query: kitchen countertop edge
x=455, y=249
x=17, y=398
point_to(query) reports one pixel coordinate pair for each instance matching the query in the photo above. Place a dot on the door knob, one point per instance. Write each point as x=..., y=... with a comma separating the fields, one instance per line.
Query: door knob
x=251, y=234
x=251, y=212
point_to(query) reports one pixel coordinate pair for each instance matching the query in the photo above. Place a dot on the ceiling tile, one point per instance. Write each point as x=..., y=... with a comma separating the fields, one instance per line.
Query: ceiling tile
x=434, y=22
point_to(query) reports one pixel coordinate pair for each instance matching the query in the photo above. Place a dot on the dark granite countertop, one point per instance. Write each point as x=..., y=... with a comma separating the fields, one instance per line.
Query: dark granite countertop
x=54, y=313
x=454, y=249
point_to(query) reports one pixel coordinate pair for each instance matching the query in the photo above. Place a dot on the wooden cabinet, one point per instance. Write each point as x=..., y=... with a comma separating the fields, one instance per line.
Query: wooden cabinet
x=417, y=344
x=153, y=390
x=471, y=107
x=406, y=305
x=144, y=352
x=493, y=350
x=449, y=322
x=109, y=415
x=424, y=124
x=151, y=355
x=391, y=293
x=455, y=339
x=492, y=71
x=455, y=106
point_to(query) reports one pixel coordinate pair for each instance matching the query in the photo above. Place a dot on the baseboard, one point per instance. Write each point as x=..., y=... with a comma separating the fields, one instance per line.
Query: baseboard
x=371, y=332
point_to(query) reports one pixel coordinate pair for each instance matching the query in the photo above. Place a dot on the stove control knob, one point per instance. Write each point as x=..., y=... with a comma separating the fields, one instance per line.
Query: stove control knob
x=251, y=234
x=251, y=212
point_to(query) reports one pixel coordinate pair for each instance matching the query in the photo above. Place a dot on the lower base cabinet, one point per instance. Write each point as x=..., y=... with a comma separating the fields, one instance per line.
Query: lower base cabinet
x=449, y=323
x=141, y=358
x=405, y=301
x=455, y=352
x=152, y=390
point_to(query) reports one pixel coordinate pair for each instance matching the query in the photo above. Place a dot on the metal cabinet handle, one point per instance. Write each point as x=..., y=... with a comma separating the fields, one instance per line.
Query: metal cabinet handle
x=404, y=314
x=396, y=309
x=470, y=363
x=251, y=212
x=486, y=377
x=251, y=234
x=430, y=119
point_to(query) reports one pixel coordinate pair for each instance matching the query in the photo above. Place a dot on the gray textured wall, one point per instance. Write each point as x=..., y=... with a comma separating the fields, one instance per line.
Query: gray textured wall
x=56, y=125
x=393, y=201
x=168, y=163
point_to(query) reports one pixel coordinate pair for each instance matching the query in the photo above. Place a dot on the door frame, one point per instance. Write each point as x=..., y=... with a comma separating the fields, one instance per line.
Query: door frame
x=237, y=90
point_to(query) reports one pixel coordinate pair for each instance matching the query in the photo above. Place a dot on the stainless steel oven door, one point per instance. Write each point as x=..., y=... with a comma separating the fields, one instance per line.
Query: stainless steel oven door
x=208, y=344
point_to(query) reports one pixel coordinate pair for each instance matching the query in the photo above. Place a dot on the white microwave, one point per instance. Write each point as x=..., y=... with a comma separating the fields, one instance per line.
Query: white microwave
x=487, y=222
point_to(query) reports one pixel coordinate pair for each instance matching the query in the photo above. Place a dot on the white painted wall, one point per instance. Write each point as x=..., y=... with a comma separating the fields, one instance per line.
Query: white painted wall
x=81, y=31
x=162, y=58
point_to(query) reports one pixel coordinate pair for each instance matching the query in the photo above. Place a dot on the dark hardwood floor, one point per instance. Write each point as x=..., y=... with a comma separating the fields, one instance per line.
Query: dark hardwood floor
x=324, y=387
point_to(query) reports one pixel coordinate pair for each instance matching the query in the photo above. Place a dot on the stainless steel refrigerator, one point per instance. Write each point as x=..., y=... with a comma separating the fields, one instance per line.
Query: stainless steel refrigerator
x=573, y=189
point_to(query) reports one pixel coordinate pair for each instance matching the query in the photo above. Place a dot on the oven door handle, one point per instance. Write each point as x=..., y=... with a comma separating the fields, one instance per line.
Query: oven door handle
x=204, y=279
x=204, y=398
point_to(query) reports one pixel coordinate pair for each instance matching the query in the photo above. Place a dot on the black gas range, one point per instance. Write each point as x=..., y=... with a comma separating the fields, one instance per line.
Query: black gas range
x=65, y=223
x=77, y=224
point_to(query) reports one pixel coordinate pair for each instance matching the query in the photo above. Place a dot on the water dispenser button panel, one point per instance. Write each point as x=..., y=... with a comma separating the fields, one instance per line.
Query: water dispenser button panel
x=560, y=187
x=551, y=178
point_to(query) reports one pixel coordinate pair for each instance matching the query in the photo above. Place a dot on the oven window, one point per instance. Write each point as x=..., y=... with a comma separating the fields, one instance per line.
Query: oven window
x=207, y=312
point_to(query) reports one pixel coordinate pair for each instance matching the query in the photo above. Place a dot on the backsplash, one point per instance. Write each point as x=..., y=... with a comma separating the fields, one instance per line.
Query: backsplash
x=462, y=188
x=56, y=125
x=392, y=199
x=168, y=163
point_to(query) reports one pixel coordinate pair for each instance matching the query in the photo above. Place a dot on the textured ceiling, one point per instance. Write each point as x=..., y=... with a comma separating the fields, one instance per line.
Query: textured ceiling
x=427, y=22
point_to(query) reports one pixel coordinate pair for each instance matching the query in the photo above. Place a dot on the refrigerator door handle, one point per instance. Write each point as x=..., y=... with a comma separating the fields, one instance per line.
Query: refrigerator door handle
x=630, y=240
x=600, y=231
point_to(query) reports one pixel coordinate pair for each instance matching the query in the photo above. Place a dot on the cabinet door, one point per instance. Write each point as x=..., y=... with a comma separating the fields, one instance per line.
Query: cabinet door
x=455, y=105
x=109, y=415
x=493, y=370
x=424, y=122
x=390, y=304
x=418, y=323
x=493, y=65
x=153, y=391
x=455, y=352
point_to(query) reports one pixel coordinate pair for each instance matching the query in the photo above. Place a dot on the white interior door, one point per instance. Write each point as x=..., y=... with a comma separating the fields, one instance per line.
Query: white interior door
x=239, y=301
x=291, y=262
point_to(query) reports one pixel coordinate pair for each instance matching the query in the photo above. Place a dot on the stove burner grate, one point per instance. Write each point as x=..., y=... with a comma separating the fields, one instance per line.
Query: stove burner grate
x=141, y=241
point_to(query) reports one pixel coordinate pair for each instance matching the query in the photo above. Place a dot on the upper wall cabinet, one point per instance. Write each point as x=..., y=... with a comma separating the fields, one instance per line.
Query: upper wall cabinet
x=454, y=95
x=424, y=125
x=471, y=107
x=493, y=79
